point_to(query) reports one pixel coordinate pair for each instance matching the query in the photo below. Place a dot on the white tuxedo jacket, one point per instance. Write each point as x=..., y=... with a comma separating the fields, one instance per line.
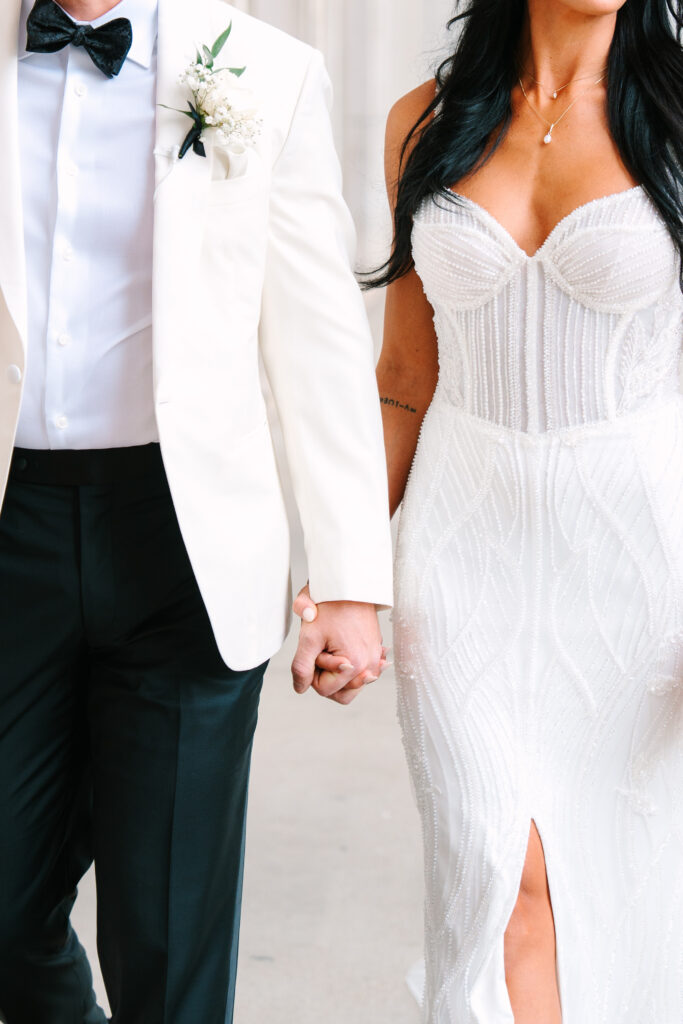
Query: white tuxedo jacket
x=247, y=263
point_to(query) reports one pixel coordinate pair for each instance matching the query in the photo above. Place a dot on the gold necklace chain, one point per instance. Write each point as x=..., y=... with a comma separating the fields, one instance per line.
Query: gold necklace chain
x=551, y=125
x=553, y=95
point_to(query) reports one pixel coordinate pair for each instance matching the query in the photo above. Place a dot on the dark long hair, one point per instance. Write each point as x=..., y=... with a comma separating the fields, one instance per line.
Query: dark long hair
x=471, y=111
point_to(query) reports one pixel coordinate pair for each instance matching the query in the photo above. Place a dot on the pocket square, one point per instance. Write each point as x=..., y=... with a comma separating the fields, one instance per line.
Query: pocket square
x=230, y=163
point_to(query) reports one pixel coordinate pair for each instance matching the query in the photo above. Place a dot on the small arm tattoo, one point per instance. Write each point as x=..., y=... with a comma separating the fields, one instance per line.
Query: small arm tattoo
x=395, y=404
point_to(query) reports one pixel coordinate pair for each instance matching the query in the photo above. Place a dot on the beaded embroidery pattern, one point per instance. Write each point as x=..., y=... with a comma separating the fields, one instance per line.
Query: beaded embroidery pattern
x=539, y=616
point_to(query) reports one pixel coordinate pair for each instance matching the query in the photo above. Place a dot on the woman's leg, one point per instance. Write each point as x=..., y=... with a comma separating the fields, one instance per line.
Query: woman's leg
x=530, y=954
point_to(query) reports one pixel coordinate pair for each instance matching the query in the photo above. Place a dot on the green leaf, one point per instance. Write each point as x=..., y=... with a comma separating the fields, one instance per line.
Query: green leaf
x=208, y=57
x=199, y=58
x=221, y=41
x=187, y=113
x=238, y=72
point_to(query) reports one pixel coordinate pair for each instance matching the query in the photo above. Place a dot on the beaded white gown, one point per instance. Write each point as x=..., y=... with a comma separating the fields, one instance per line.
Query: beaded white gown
x=539, y=618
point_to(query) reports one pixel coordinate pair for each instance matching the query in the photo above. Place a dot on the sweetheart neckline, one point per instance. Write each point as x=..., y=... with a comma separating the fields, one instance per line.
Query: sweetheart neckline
x=489, y=218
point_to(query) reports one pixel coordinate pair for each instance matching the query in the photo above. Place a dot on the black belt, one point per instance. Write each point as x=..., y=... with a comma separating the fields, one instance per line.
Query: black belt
x=72, y=468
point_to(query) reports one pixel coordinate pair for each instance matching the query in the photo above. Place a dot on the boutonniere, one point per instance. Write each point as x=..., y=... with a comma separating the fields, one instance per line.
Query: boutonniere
x=220, y=103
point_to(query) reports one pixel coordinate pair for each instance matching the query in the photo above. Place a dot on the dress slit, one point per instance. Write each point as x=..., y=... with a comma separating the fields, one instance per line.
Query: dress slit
x=551, y=889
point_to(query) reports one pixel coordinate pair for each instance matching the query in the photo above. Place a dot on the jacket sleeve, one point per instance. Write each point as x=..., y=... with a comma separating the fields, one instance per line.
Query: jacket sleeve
x=318, y=354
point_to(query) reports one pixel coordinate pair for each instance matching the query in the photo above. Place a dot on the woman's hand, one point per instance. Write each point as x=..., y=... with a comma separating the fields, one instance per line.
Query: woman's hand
x=349, y=660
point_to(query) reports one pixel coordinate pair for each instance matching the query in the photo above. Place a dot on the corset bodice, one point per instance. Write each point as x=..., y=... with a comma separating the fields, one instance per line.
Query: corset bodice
x=587, y=329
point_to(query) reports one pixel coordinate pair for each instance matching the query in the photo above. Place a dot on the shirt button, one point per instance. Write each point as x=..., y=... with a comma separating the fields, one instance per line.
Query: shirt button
x=14, y=374
x=80, y=89
x=67, y=253
x=63, y=340
x=61, y=422
x=70, y=169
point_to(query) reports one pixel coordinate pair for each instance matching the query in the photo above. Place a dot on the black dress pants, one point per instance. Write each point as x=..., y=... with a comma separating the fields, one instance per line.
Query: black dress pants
x=123, y=738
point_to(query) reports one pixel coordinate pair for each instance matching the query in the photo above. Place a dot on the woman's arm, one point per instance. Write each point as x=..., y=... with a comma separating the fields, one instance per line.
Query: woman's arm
x=407, y=374
x=408, y=368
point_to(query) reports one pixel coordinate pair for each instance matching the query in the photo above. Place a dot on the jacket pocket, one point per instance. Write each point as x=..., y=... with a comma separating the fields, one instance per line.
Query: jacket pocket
x=243, y=189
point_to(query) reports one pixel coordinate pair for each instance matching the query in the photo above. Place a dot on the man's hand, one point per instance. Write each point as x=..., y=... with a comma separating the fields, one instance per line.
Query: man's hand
x=340, y=648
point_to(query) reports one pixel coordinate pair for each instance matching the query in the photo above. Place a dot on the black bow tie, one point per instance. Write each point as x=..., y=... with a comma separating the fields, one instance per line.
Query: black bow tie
x=50, y=29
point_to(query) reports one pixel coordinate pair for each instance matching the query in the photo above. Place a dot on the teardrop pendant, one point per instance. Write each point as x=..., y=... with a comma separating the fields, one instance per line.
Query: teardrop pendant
x=548, y=138
x=554, y=95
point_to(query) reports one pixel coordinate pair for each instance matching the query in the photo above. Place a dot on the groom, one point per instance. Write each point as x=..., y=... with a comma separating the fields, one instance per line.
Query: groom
x=144, y=562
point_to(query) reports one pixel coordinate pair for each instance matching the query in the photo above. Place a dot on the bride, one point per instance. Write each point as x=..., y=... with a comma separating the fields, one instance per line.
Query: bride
x=529, y=378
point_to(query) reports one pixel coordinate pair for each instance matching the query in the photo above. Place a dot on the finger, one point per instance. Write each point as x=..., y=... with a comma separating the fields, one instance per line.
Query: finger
x=345, y=697
x=304, y=607
x=330, y=683
x=333, y=663
x=363, y=679
x=335, y=674
x=383, y=661
x=352, y=690
x=333, y=679
x=349, y=693
x=303, y=666
x=373, y=664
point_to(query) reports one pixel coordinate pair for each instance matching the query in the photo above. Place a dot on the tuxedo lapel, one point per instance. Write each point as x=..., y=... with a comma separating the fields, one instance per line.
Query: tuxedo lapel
x=12, y=256
x=181, y=185
x=181, y=26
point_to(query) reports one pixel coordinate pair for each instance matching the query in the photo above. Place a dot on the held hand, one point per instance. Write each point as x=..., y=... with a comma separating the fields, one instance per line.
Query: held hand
x=340, y=648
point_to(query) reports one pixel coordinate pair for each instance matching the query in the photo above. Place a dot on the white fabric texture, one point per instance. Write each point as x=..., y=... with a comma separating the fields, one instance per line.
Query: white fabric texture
x=87, y=170
x=539, y=629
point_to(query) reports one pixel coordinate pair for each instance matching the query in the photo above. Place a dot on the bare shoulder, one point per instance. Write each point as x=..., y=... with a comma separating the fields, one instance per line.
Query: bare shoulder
x=403, y=116
x=407, y=111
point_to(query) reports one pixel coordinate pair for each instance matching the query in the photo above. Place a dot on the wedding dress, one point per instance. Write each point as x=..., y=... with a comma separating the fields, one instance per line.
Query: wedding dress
x=539, y=619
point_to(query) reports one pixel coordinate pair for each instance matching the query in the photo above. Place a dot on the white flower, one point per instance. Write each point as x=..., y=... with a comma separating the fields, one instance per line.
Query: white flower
x=219, y=102
x=224, y=97
x=224, y=104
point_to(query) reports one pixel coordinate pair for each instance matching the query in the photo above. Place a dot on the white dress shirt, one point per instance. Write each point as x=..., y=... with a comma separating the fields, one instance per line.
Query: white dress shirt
x=87, y=145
